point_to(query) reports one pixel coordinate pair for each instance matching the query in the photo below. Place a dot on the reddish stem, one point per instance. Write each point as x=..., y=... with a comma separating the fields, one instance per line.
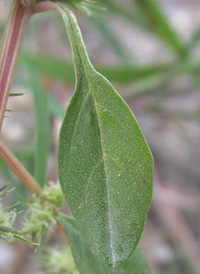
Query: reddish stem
x=12, y=40
x=24, y=176
x=13, y=35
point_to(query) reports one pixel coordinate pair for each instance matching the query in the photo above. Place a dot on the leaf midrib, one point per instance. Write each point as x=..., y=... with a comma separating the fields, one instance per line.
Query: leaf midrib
x=103, y=158
x=86, y=72
x=107, y=187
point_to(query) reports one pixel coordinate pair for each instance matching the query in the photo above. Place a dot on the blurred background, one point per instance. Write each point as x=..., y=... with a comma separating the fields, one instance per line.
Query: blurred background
x=150, y=51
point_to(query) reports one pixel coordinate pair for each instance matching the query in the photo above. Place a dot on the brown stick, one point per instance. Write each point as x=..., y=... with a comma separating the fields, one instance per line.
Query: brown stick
x=12, y=40
x=13, y=35
x=24, y=176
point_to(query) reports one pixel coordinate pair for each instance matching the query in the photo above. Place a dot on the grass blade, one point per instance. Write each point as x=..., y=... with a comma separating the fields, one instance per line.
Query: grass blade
x=42, y=127
x=62, y=70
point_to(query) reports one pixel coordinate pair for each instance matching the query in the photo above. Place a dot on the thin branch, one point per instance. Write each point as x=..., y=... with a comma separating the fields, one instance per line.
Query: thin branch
x=13, y=35
x=24, y=176
x=12, y=40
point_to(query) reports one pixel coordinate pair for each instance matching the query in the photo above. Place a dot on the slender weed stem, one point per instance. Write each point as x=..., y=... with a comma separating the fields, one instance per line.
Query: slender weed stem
x=18, y=169
x=13, y=35
x=24, y=176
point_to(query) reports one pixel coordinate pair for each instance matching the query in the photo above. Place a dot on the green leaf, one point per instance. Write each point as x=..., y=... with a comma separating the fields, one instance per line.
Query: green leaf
x=86, y=261
x=62, y=70
x=42, y=119
x=50, y=66
x=15, y=94
x=105, y=165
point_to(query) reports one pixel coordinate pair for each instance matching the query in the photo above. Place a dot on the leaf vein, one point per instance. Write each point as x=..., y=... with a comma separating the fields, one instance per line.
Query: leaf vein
x=107, y=187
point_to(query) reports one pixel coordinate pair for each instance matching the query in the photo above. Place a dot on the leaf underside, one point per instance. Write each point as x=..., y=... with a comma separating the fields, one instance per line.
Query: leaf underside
x=104, y=163
x=87, y=263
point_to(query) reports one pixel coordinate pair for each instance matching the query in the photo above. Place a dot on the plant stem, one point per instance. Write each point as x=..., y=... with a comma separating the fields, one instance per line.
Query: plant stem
x=13, y=35
x=12, y=40
x=24, y=176
x=47, y=6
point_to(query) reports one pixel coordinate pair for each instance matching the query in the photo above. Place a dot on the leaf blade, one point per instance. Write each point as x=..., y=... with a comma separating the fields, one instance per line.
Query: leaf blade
x=42, y=120
x=62, y=70
x=87, y=263
x=96, y=163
